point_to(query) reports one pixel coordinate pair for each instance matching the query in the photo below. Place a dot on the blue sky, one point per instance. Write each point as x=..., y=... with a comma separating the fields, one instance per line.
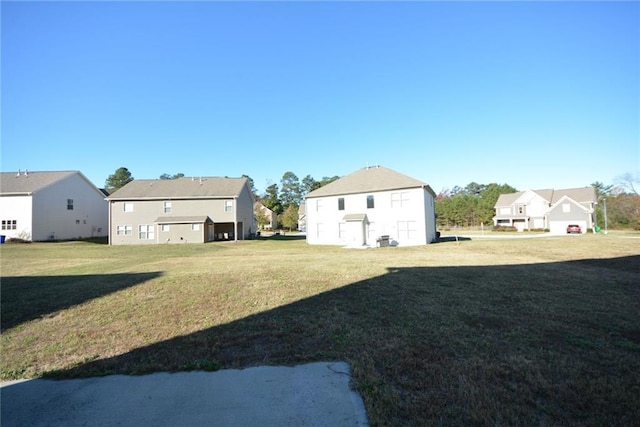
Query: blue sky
x=531, y=94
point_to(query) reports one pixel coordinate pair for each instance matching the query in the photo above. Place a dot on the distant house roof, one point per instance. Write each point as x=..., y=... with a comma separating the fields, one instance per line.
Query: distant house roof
x=259, y=205
x=580, y=195
x=27, y=182
x=180, y=188
x=367, y=180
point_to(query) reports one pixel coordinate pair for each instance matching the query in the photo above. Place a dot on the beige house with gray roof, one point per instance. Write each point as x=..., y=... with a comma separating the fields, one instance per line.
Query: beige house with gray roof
x=547, y=209
x=58, y=205
x=183, y=210
x=370, y=207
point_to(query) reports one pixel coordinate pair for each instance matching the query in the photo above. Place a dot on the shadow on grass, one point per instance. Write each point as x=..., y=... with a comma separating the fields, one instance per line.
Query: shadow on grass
x=443, y=239
x=31, y=297
x=554, y=343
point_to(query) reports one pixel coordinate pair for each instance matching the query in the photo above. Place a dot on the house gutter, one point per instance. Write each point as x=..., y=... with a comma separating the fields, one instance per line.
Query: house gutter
x=109, y=230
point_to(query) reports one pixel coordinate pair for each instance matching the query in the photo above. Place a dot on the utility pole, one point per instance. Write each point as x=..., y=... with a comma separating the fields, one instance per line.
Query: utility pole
x=605, y=216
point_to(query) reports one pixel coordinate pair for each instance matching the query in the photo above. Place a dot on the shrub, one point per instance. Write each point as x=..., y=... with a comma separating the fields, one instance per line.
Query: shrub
x=504, y=228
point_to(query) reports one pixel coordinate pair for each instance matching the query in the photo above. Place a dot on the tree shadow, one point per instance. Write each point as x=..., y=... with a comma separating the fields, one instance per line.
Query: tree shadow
x=549, y=343
x=26, y=298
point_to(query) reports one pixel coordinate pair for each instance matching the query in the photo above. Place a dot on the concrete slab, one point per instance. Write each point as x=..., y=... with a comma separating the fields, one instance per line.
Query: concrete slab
x=315, y=394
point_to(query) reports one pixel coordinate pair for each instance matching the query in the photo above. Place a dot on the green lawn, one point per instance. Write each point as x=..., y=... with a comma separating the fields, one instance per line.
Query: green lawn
x=505, y=331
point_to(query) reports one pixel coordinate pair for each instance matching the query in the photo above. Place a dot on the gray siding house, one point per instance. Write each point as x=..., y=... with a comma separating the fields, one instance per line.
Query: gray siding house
x=547, y=209
x=183, y=210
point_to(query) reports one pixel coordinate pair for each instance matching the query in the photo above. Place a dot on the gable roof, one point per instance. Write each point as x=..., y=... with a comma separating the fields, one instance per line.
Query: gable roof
x=580, y=195
x=566, y=199
x=367, y=180
x=26, y=183
x=180, y=188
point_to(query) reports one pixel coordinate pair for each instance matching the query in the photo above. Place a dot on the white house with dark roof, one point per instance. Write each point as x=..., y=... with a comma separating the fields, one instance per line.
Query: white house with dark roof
x=371, y=206
x=61, y=205
x=547, y=209
x=183, y=210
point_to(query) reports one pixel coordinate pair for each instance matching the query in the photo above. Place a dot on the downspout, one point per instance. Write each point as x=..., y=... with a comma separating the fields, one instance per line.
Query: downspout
x=235, y=219
x=109, y=230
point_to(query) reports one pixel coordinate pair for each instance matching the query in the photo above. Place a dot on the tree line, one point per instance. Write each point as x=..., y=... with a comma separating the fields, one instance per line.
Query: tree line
x=469, y=206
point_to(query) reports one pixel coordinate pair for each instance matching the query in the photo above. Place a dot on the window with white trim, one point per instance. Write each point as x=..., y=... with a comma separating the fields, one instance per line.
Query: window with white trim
x=228, y=206
x=195, y=227
x=399, y=199
x=407, y=230
x=127, y=207
x=370, y=201
x=124, y=230
x=165, y=227
x=9, y=224
x=167, y=207
x=319, y=229
x=342, y=230
x=146, y=232
x=371, y=231
x=318, y=205
x=566, y=207
x=340, y=203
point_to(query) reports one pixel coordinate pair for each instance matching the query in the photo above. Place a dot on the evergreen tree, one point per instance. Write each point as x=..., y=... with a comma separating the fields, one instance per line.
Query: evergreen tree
x=118, y=179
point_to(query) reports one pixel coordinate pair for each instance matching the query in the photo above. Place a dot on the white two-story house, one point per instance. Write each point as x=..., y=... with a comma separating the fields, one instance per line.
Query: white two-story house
x=183, y=210
x=57, y=205
x=369, y=206
x=547, y=209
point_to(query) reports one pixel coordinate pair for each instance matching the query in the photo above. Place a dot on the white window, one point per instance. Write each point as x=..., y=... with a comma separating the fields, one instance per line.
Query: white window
x=167, y=207
x=146, y=232
x=407, y=230
x=165, y=227
x=128, y=207
x=124, y=230
x=69, y=204
x=371, y=232
x=9, y=224
x=370, y=201
x=320, y=230
x=195, y=227
x=318, y=205
x=228, y=206
x=399, y=199
x=566, y=207
x=342, y=230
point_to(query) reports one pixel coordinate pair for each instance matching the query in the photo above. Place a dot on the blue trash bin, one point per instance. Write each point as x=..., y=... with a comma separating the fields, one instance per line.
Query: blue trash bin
x=1, y=239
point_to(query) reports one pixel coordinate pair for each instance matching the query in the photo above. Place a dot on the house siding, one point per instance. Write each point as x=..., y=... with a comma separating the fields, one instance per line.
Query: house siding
x=19, y=209
x=52, y=219
x=400, y=214
x=146, y=212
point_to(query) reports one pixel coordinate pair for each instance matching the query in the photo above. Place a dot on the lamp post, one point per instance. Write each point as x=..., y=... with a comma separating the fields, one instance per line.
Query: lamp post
x=605, y=216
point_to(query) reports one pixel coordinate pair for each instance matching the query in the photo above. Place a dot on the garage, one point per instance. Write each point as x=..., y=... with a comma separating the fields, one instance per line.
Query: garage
x=560, y=227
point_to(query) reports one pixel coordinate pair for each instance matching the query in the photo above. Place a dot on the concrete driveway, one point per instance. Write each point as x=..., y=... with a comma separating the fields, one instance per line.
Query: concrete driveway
x=315, y=394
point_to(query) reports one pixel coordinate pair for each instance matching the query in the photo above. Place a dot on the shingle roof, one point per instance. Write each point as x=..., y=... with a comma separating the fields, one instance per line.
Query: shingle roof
x=180, y=188
x=580, y=195
x=369, y=179
x=29, y=182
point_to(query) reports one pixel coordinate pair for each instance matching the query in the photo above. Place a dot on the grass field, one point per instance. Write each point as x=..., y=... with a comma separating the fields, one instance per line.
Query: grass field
x=504, y=332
